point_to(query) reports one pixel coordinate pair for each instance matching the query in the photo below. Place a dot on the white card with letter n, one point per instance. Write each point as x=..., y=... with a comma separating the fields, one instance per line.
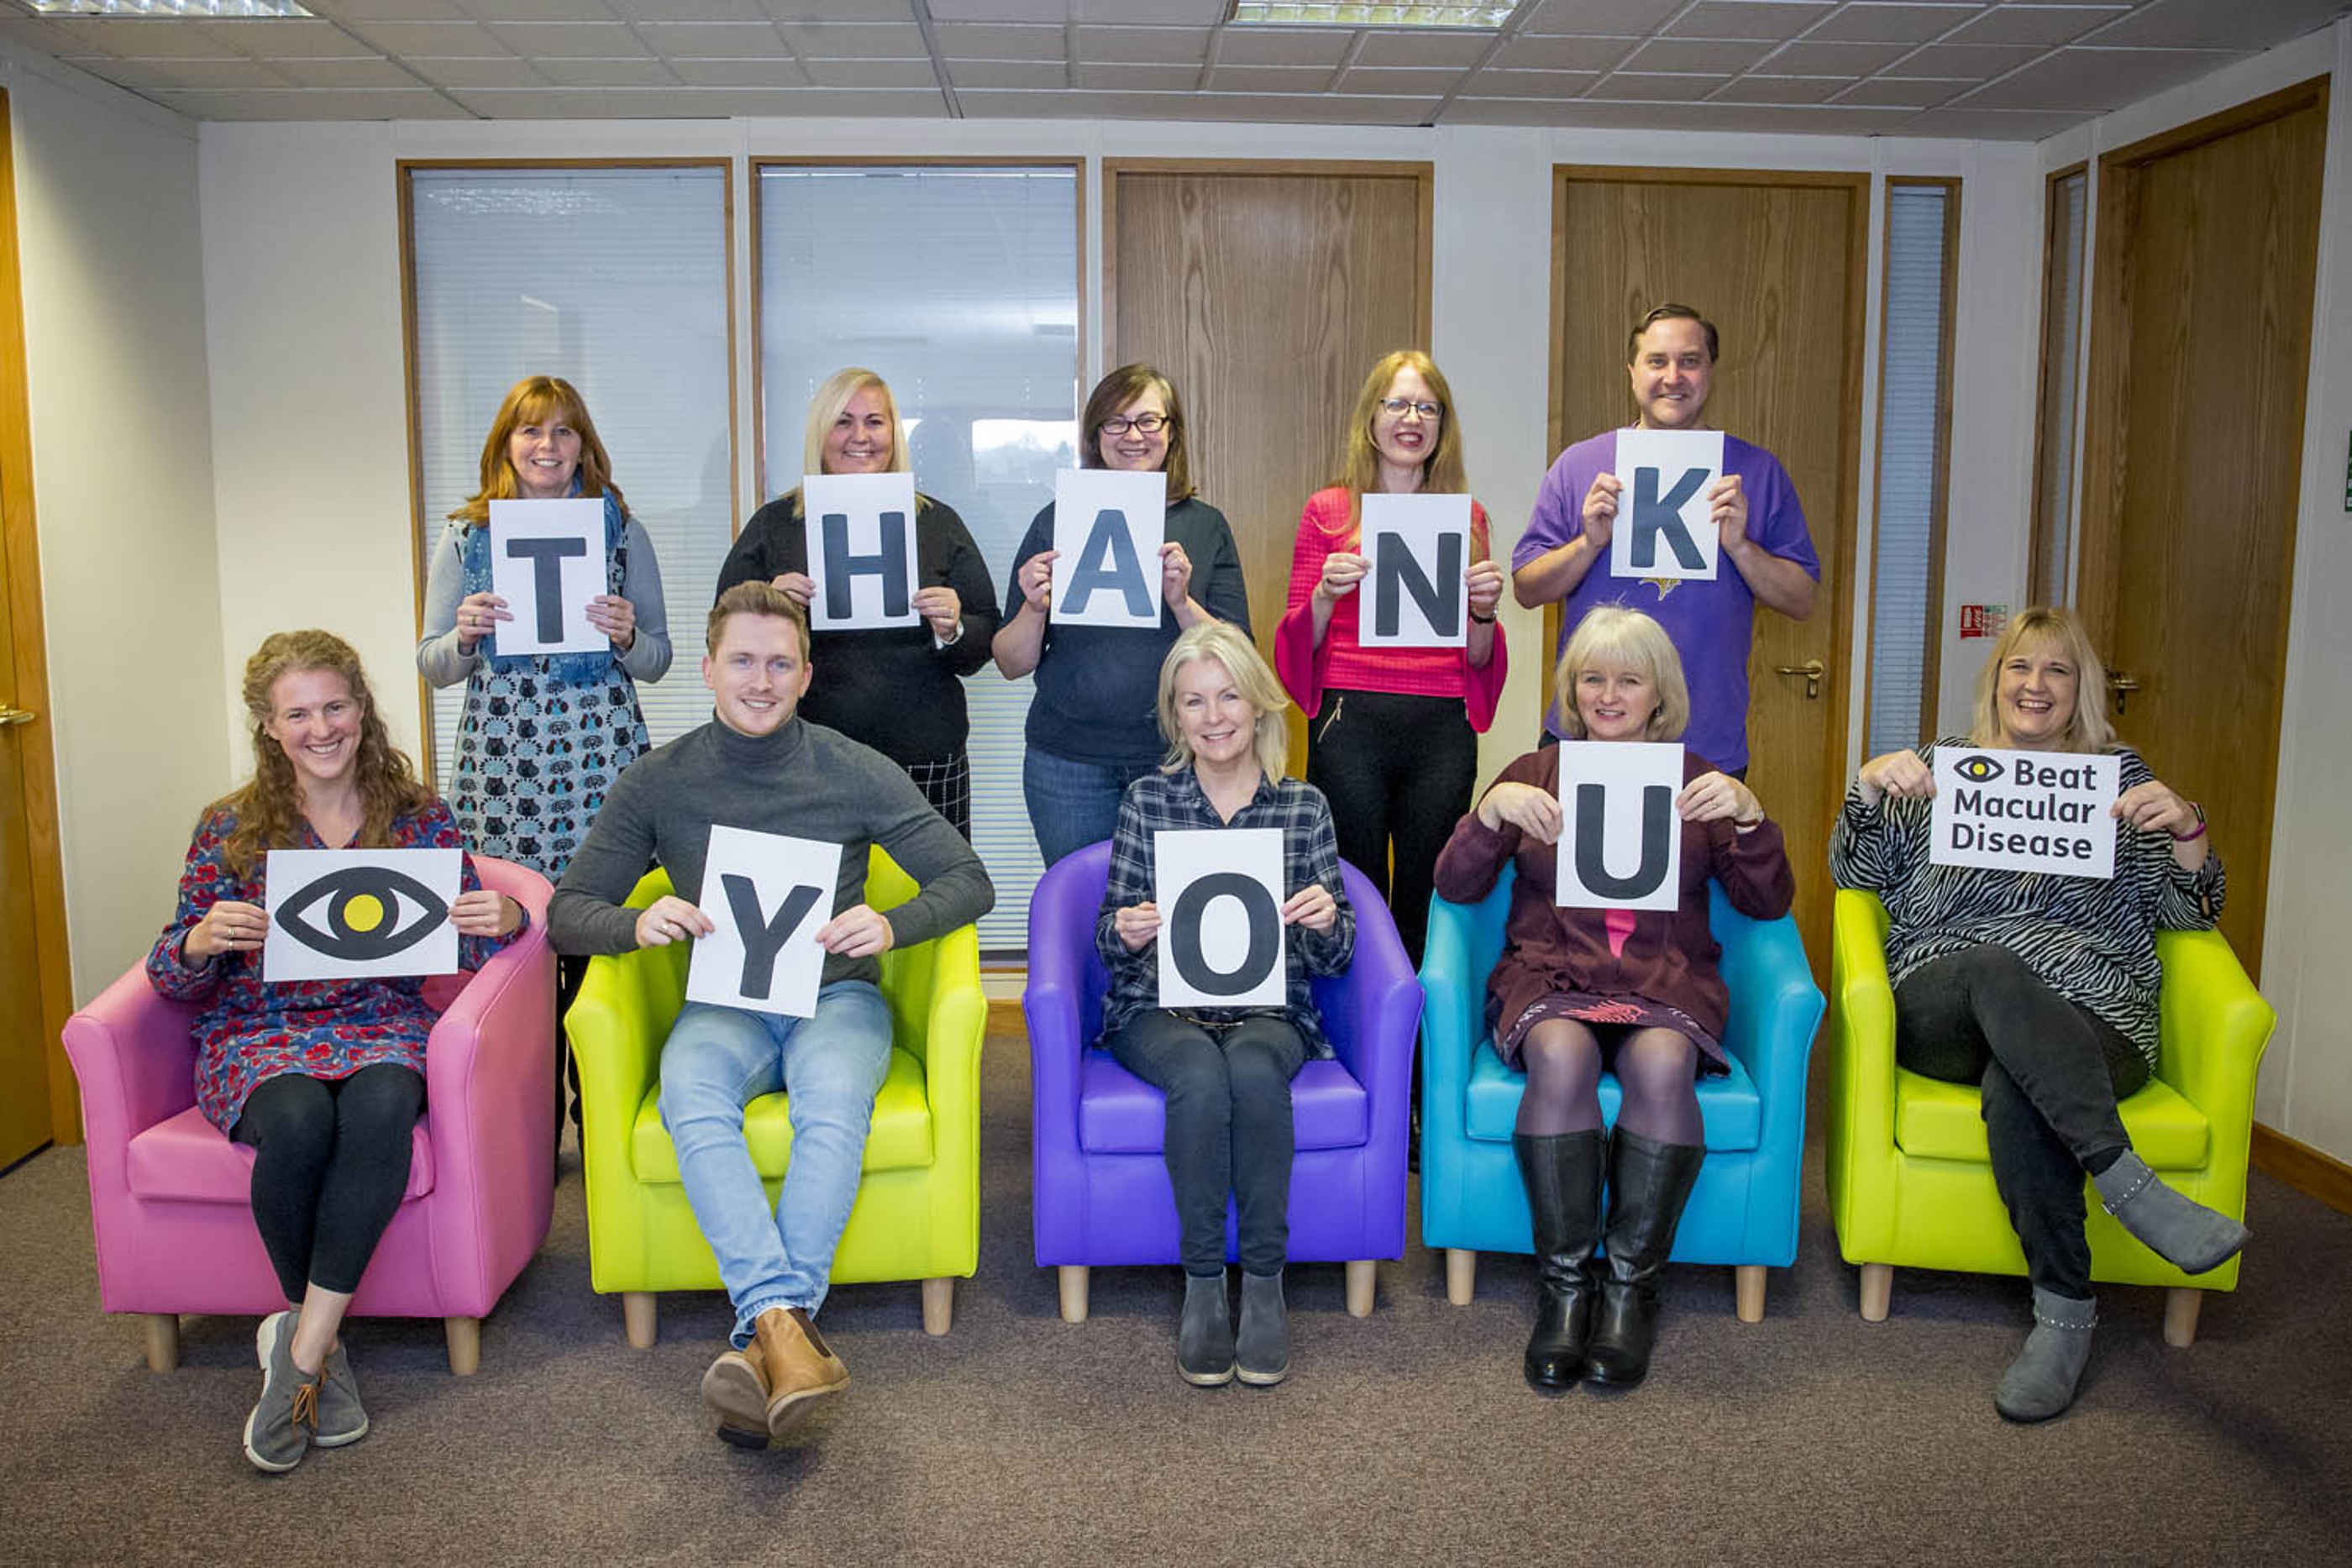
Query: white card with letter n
x=860, y=530
x=1665, y=520
x=766, y=894
x=2025, y=810
x=546, y=561
x=341, y=914
x=1620, y=840
x=1222, y=940
x=1108, y=526
x=1414, y=592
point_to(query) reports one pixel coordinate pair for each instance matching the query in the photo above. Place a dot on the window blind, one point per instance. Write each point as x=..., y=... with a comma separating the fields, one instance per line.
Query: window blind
x=1904, y=625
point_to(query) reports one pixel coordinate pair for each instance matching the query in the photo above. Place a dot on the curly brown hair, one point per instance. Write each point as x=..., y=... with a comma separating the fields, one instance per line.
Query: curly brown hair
x=269, y=806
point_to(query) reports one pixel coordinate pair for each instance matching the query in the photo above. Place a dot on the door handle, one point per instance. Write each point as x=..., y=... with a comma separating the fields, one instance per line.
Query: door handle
x=2122, y=685
x=1811, y=669
x=9, y=715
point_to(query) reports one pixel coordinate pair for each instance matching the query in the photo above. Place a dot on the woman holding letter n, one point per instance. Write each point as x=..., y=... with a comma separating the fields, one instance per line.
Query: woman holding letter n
x=322, y=1078
x=1226, y=1070
x=2044, y=986
x=1091, y=729
x=1396, y=752
x=1636, y=991
x=898, y=689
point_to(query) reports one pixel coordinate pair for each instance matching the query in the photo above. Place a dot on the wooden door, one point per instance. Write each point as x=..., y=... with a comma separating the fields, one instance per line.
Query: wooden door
x=2201, y=339
x=24, y=1071
x=1265, y=292
x=1777, y=263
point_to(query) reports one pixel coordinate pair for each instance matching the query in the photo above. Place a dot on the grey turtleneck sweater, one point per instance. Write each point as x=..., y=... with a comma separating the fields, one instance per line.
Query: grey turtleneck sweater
x=804, y=779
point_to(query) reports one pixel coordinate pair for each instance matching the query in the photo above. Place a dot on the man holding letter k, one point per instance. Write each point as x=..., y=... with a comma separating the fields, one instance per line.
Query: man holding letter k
x=759, y=766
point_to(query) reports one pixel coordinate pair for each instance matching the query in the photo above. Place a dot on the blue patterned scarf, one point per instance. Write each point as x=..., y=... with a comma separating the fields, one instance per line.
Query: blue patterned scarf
x=572, y=669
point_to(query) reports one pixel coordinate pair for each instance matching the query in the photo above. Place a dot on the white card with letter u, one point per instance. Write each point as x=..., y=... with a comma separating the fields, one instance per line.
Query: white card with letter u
x=1621, y=839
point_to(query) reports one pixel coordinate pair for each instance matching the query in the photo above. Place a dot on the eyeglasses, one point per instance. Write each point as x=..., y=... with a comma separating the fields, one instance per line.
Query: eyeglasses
x=1401, y=406
x=1142, y=424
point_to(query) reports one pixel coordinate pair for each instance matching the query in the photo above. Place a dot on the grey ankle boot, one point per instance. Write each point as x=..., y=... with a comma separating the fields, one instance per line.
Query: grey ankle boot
x=1205, y=1335
x=2041, y=1381
x=1262, y=1350
x=2180, y=1231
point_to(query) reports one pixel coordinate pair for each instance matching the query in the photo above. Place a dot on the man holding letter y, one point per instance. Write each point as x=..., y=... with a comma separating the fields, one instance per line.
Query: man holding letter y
x=758, y=766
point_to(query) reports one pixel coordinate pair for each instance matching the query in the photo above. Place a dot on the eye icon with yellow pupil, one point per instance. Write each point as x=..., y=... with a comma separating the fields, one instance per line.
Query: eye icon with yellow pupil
x=370, y=912
x=1977, y=769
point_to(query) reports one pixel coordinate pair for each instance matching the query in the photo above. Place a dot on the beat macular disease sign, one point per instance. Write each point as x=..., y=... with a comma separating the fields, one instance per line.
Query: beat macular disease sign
x=2025, y=810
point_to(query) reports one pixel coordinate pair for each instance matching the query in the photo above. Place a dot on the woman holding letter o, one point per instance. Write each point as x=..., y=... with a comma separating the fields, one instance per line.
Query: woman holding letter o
x=1397, y=753
x=2042, y=987
x=1636, y=991
x=898, y=689
x=323, y=1079
x=1091, y=729
x=1226, y=1070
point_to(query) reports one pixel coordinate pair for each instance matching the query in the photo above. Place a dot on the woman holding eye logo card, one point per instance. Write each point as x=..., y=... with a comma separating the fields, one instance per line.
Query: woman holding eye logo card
x=323, y=1079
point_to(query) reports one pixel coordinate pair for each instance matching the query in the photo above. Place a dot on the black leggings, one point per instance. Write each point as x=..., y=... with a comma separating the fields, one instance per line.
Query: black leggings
x=1398, y=771
x=330, y=1163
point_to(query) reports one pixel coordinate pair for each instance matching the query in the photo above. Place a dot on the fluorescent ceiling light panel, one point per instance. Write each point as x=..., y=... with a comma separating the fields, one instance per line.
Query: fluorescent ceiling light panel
x=1330, y=14
x=202, y=10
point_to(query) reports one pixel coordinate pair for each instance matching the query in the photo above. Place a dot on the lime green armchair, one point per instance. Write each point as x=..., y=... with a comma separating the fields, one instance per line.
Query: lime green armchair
x=1910, y=1183
x=918, y=1213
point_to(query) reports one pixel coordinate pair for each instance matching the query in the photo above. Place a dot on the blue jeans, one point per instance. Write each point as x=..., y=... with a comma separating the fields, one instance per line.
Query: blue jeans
x=717, y=1061
x=1073, y=804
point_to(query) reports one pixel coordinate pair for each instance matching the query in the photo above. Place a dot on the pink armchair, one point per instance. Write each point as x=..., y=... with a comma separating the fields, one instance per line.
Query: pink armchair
x=168, y=1196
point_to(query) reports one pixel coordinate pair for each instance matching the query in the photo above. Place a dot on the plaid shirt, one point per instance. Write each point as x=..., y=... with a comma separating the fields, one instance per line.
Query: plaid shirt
x=1311, y=853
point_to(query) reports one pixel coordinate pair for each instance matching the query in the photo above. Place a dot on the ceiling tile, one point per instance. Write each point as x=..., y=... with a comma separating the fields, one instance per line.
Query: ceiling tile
x=1493, y=82
x=569, y=40
x=293, y=40
x=1772, y=19
x=1782, y=89
x=1892, y=24
x=1991, y=124
x=539, y=10
x=607, y=73
x=1435, y=81
x=2044, y=25
x=501, y=73
x=145, y=76
x=1271, y=78
x=740, y=73
x=162, y=40
x=699, y=103
x=714, y=40
x=1975, y=62
x=390, y=10
x=446, y=40
x=370, y=73
x=1328, y=109
x=1716, y=116
x=1423, y=46
x=2218, y=23
x=1005, y=104
x=1807, y=56
x=291, y=103
x=1714, y=55
x=966, y=41
x=2088, y=81
x=1322, y=47
x=1599, y=16
x=1096, y=77
x=985, y=74
x=1905, y=92
x=908, y=74
x=44, y=35
x=857, y=41
x=1153, y=45
x=1654, y=87
x=841, y=11
x=1564, y=54
x=951, y=11
x=689, y=10
x=1185, y=13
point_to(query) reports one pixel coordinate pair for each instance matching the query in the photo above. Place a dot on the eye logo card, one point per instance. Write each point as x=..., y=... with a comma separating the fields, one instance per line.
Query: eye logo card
x=1417, y=588
x=1665, y=523
x=2025, y=810
x=1108, y=526
x=546, y=561
x=861, y=551
x=1621, y=841
x=766, y=894
x=1221, y=932
x=338, y=914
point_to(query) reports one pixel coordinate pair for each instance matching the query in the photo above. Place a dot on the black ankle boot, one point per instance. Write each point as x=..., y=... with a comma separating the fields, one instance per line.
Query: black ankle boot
x=1648, y=1185
x=1562, y=1172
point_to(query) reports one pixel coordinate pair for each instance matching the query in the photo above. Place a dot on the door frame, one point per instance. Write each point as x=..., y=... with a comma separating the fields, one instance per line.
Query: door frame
x=29, y=669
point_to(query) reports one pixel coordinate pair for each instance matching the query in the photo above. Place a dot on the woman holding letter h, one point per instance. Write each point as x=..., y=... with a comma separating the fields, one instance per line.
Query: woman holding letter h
x=1637, y=991
x=1226, y=1070
x=2043, y=986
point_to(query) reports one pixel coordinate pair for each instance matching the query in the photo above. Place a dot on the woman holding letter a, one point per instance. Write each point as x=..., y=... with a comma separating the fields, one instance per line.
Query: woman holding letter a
x=898, y=689
x=1635, y=991
x=1225, y=1071
x=323, y=1079
x=1397, y=753
x=2042, y=987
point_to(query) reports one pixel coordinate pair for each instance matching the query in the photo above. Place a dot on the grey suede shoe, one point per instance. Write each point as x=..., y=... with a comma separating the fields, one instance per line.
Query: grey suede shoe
x=2180, y=1231
x=277, y=1432
x=2041, y=1381
x=341, y=1419
x=1204, y=1336
x=1262, y=1349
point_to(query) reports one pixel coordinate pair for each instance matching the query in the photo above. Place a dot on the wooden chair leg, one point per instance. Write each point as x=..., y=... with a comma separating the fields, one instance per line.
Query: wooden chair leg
x=1878, y=1291
x=938, y=1306
x=637, y=1317
x=1361, y=1275
x=465, y=1336
x=1748, y=1288
x=1073, y=1280
x=161, y=1334
x=1461, y=1274
x=2181, y=1305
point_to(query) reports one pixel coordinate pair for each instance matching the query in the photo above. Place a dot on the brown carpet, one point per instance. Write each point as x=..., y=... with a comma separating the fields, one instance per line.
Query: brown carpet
x=1406, y=1437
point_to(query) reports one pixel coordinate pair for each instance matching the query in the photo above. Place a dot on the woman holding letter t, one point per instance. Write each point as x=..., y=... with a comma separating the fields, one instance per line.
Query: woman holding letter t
x=1226, y=1070
x=2043, y=986
x=1635, y=991
x=322, y=1078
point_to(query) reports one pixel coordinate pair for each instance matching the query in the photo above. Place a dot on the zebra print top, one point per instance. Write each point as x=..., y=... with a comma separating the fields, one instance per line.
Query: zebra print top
x=2092, y=942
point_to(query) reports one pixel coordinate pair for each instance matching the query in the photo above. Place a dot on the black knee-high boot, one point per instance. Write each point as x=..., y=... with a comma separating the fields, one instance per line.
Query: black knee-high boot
x=1562, y=1172
x=1649, y=1182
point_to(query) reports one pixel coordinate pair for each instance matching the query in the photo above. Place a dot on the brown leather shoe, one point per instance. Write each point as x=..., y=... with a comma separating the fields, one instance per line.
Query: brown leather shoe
x=801, y=1367
x=735, y=1396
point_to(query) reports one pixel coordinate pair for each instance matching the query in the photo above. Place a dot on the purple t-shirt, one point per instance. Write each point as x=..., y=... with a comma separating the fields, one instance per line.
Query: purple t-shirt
x=1710, y=623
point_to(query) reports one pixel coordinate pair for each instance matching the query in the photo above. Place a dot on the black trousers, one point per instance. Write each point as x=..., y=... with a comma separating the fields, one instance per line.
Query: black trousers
x=331, y=1161
x=1229, y=1129
x=1398, y=771
x=2052, y=1072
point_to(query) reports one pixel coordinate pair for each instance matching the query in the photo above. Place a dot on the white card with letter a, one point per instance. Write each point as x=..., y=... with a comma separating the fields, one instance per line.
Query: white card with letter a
x=1666, y=519
x=1222, y=939
x=1621, y=839
x=2025, y=810
x=1108, y=526
x=546, y=561
x=766, y=894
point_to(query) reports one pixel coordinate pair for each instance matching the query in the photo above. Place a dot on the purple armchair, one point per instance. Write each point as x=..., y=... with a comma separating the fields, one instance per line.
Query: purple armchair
x=1100, y=1190
x=170, y=1197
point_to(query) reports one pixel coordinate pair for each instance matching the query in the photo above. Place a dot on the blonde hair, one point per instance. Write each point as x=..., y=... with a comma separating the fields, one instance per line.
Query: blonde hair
x=532, y=401
x=2087, y=730
x=754, y=596
x=1360, y=460
x=1230, y=646
x=833, y=398
x=1631, y=640
x=1114, y=393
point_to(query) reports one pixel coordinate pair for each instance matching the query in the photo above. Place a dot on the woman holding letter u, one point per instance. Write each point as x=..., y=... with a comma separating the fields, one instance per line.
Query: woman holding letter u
x=1636, y=991
x=2043, y=986
x=1226, y=1070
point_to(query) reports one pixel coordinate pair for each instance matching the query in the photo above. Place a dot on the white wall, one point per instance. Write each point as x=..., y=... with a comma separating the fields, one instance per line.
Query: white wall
x=123, y=487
